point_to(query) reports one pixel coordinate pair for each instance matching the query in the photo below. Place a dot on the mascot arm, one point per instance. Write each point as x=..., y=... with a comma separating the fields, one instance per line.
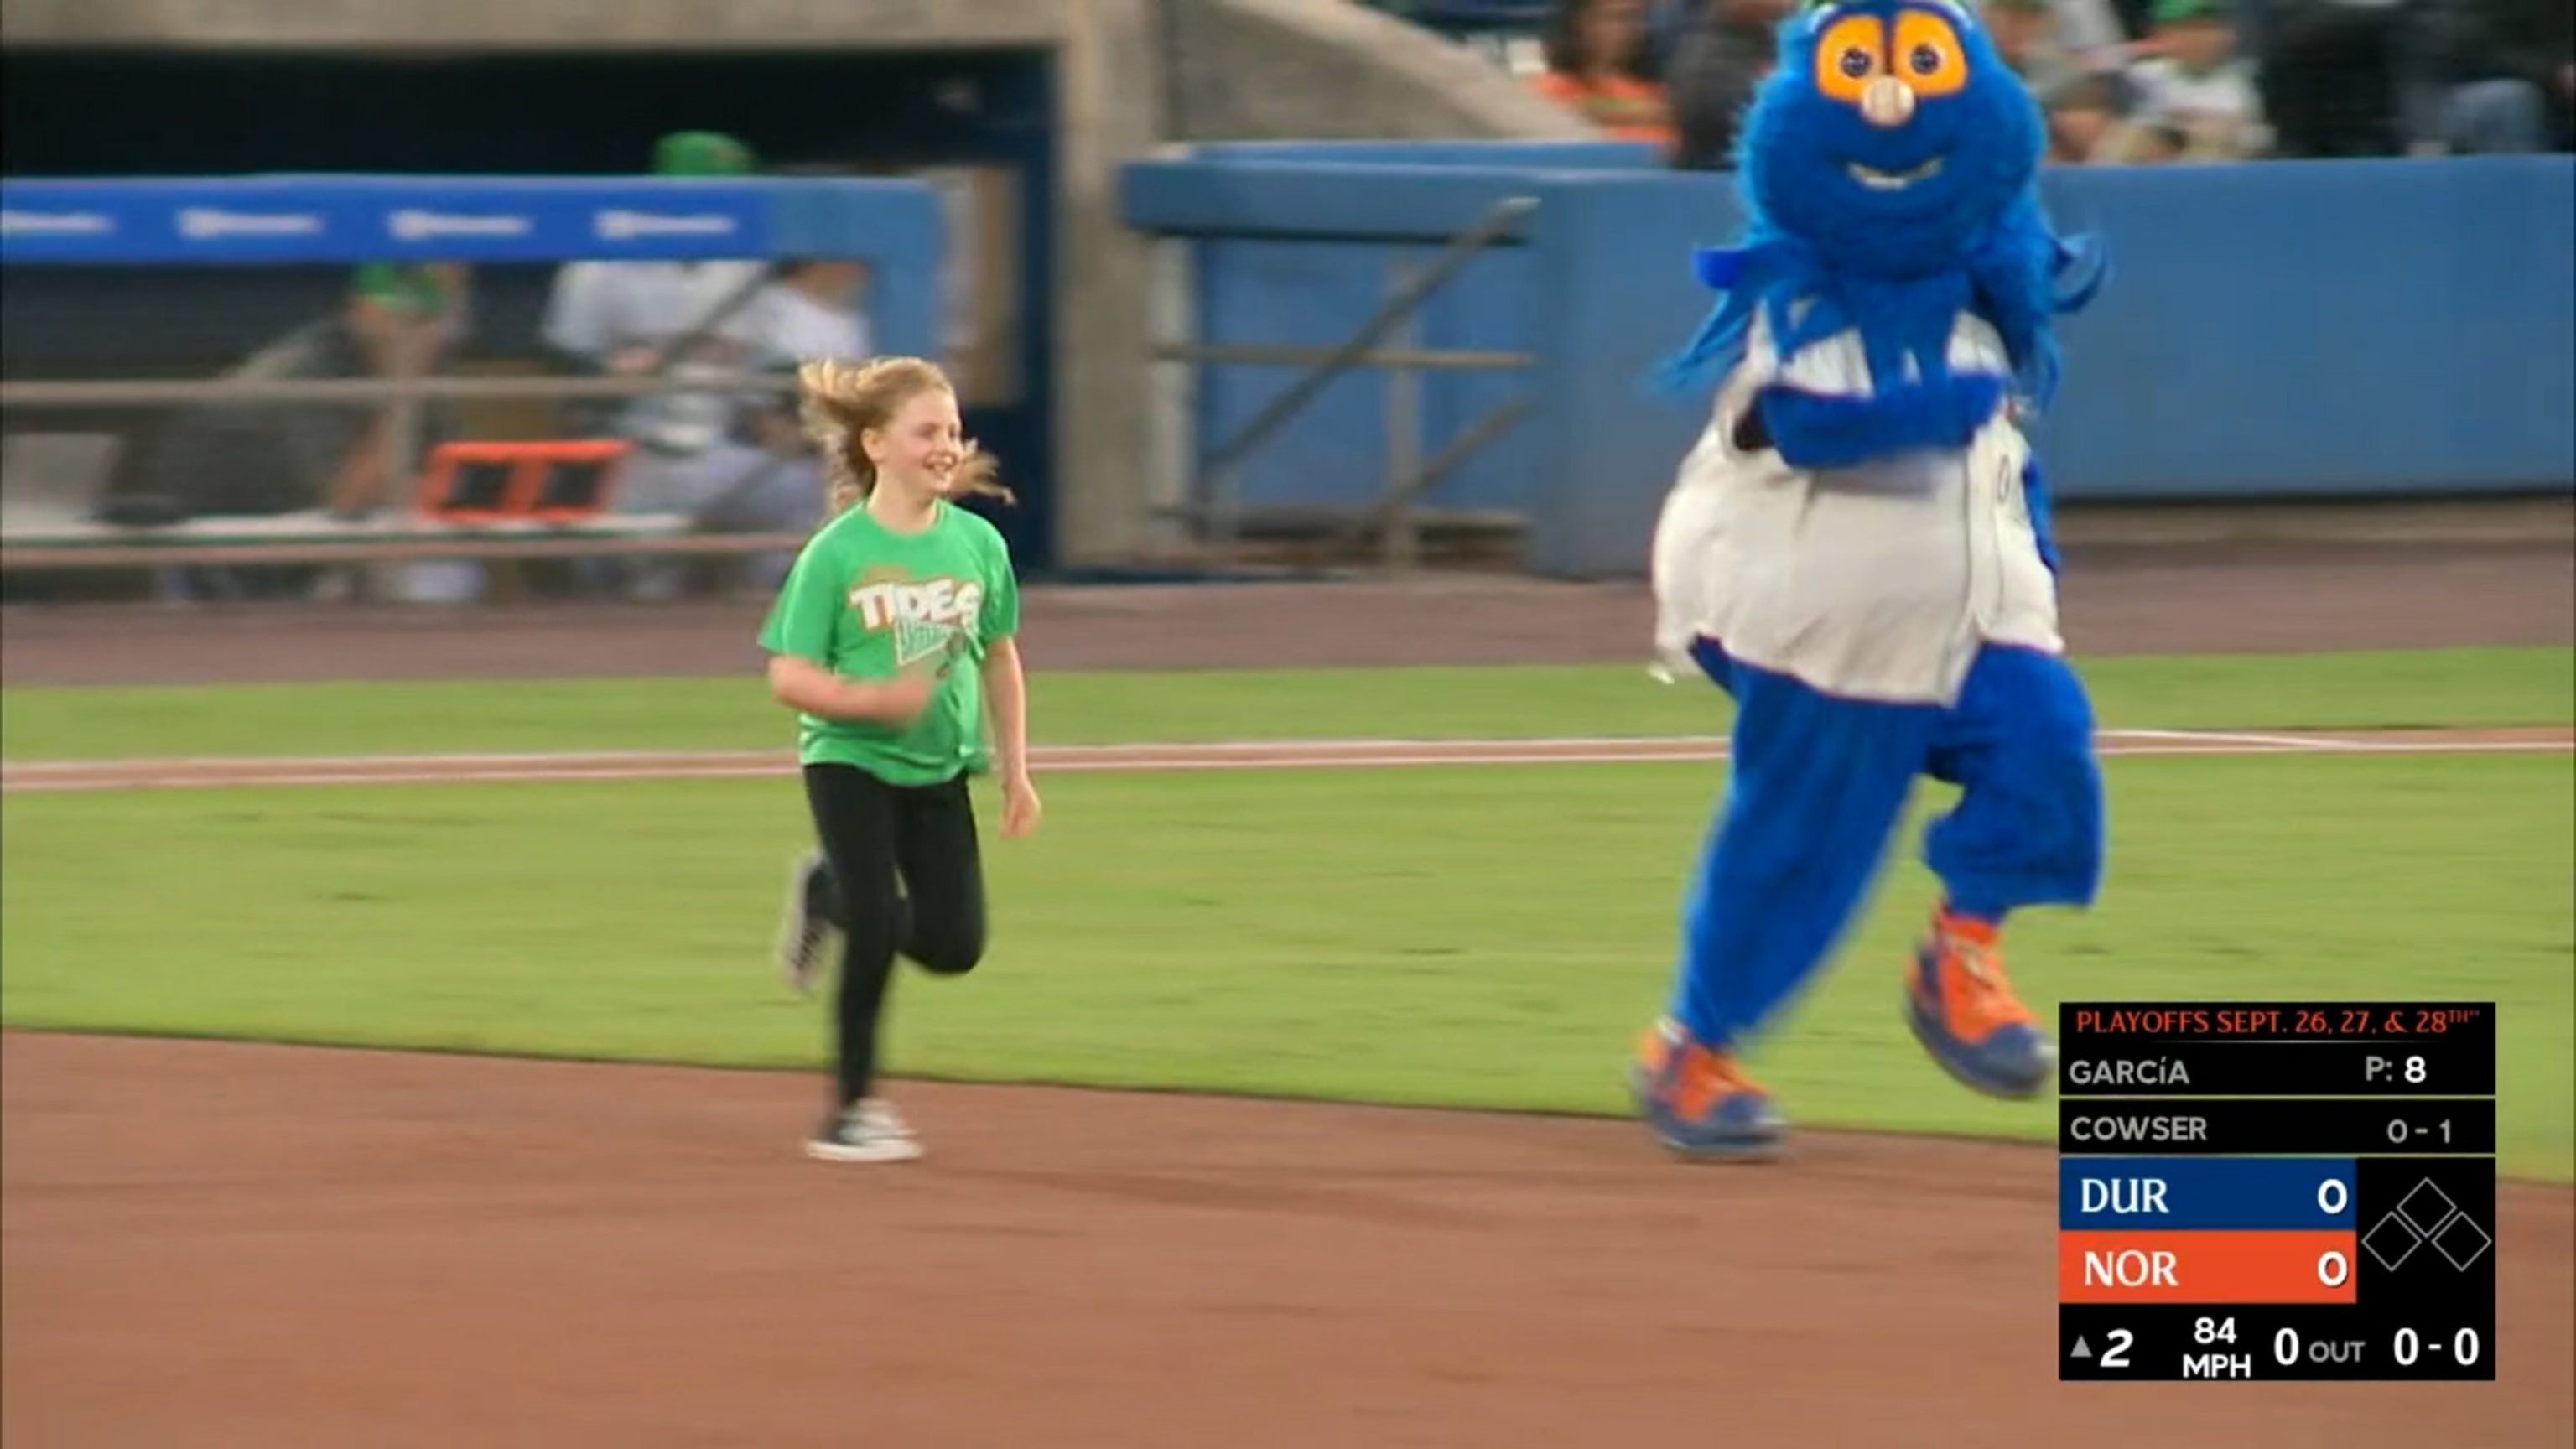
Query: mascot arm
x=1838, y=430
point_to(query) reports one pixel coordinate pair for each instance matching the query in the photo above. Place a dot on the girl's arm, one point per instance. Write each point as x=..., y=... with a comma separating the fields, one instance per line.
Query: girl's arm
x=803, y=685
x=1006, y=690
x=1006, y=694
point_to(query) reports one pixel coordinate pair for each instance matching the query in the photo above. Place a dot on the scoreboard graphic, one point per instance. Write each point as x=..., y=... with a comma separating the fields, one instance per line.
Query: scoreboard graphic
x=2250, y=1190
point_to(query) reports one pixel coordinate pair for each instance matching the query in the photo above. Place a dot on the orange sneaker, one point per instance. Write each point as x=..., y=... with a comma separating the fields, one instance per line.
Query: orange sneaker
x=1963, y=1010
x=1698, y=1102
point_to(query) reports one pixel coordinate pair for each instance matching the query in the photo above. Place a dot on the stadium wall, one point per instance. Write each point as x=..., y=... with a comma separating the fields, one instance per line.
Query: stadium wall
x=2282, y=331
x=1241, y=68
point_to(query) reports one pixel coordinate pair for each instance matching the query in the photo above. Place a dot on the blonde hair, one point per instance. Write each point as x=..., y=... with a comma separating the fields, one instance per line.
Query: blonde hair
x=840, y=401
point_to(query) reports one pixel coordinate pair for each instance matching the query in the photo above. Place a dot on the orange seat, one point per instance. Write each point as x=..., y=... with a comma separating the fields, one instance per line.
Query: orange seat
x=503, y=482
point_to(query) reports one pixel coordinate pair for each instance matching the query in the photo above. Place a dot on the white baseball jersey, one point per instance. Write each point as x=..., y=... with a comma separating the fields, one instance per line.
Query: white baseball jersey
x=599, y=309
x=785, y=324
x=1878, y=582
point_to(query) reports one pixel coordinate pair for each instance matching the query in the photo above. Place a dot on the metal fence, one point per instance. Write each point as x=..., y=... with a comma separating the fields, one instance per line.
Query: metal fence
x=1385, y=340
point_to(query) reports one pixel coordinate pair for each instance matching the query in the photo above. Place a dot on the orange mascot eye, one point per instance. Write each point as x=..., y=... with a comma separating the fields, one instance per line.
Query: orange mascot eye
x=1928, y=55
x=1849, y=55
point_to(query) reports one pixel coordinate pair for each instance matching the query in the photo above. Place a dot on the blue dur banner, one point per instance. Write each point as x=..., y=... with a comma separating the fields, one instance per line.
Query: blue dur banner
x=322, y=219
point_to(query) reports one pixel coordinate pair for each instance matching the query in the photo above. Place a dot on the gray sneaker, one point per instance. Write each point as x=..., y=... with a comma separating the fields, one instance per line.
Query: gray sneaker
x=805, y=924
x=868, y=1131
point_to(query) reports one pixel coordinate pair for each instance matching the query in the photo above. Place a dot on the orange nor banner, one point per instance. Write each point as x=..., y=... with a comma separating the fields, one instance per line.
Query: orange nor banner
x=2206, y=1267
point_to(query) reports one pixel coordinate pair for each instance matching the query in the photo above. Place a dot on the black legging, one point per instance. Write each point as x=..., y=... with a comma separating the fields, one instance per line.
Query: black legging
x=873, y=832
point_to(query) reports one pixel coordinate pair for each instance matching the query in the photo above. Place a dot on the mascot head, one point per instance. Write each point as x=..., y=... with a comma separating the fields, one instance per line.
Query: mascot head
x=1891, y=137
x=1888, y=169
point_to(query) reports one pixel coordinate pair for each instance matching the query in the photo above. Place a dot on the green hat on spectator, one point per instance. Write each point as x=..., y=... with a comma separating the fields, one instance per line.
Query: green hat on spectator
x=2174, y=12
x=2029, y=5
x=700, y=153
x=413, y=291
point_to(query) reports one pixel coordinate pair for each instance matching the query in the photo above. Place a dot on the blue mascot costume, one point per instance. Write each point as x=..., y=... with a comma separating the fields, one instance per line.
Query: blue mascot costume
x=1857, y=550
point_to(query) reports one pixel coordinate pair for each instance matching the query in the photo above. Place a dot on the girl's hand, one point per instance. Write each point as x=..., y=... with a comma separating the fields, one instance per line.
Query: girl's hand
x=1020, y=808
x=809, y=688
x=900, y=700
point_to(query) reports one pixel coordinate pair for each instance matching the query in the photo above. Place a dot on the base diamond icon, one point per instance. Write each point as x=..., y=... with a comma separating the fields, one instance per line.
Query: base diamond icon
x=2463, y=1242
x=2392, y=1242
x=2426, y=1209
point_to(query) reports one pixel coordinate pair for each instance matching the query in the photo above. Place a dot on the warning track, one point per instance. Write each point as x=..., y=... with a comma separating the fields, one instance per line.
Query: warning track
x=235, y=772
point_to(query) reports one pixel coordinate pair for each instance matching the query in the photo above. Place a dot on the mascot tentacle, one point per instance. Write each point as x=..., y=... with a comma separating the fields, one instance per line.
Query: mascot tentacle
x=1858, y=553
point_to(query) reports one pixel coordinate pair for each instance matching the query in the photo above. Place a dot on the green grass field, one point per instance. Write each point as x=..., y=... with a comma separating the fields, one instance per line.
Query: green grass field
x=2328, y=691
x=1460, y=936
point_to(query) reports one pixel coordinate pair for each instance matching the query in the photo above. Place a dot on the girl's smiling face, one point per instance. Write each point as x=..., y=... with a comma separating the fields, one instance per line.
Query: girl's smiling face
x=922, y=444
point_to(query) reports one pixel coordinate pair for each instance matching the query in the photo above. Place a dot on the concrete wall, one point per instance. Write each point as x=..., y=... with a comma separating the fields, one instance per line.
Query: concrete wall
x=1250, y=69
x=1258, y=70
x=1110, y=116
x=467, y=25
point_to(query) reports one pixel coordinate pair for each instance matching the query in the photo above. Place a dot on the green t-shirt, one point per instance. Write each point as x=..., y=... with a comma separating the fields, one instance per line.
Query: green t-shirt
x=867, y=602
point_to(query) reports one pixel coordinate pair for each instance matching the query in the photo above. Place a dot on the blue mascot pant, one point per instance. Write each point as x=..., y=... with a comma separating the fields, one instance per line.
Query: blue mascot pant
x=1815, y=789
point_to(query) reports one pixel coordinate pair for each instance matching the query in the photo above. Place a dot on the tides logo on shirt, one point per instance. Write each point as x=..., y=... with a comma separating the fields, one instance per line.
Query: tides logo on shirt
x=928, y=618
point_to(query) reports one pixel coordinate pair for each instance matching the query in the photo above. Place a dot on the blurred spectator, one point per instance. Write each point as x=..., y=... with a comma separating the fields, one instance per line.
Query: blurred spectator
x=815, y=309
x=2133, y=20
x=1724, y=50
x=402, y=321
x=1726, y=47
x=2195, y=96
x=2494, y=75
x=216, y=461
x=1597, y=64
x=764, y=475
x=2096, y=34
x=2092, y=121
x=2085, y=35
x=2148, y=141
x=1665, y=22
x=2026, y=38
x=635, y=318
x=2084, y=123
x=2330, y=78
x=757, y=474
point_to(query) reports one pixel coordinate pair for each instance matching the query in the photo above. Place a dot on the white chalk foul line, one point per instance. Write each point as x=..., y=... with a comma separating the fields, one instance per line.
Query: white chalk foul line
x=1219, y=751
x=2232, y=737
x=629, y=765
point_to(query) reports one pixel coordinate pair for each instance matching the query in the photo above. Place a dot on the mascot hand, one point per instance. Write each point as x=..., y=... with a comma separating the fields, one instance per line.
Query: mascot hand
x=1821, y=430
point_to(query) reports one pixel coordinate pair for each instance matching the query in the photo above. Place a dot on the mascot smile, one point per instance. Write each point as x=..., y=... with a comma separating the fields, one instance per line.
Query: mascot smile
x=1858, y=552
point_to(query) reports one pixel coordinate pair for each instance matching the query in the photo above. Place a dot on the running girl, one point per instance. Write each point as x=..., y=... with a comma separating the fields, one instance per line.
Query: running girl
x=893, y=632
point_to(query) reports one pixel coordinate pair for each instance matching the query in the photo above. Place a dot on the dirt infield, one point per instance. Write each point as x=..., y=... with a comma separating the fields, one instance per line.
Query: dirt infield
x=2118, y=601
x=231, y=1245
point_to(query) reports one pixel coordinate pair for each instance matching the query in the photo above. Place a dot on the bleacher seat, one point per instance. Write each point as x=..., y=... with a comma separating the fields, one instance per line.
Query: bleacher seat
x=555, y=482
x=52, y=480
